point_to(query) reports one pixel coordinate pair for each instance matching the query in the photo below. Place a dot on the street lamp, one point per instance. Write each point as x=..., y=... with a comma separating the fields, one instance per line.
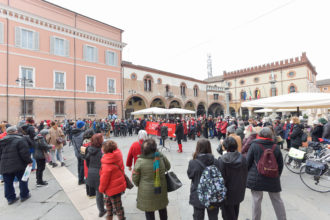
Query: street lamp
x=24, y=81
x=227, y=97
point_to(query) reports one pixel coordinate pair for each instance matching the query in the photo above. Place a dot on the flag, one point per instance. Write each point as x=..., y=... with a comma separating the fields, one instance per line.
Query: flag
x=245, y=95
x=250, y=94
x=258, y=94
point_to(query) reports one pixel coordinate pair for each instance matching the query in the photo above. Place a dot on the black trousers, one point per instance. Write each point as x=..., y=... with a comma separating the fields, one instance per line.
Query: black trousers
x=220, y=135
x=90, y=191
x=162, y=215
x=288, y=143
x=230, y=212
x=80, y=169
x=41, y=163
x=212, y=213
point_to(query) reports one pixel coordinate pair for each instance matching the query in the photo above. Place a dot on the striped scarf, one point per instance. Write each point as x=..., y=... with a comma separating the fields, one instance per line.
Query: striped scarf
x=157, y=186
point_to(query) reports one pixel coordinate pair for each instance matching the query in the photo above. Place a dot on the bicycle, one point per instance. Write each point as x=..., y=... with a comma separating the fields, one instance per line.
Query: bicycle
x=315, y=174
x=294, y=163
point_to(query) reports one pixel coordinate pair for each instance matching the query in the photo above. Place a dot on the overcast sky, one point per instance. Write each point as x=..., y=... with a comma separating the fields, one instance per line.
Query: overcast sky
x=177, y=35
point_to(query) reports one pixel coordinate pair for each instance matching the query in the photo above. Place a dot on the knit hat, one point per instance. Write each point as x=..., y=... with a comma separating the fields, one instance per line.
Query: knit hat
x=322, y=121
x=11, y=129
x=44, y=132
x=315, y=122
x=80, y=124
x=231, y=129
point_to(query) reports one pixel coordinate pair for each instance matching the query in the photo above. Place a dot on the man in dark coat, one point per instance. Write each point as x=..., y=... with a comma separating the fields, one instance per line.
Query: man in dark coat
x=326, y=130
x=14, y=157
x=77, y=141
x=233, y=168
x=296, y=135
x=317, y=131
x=259, y=183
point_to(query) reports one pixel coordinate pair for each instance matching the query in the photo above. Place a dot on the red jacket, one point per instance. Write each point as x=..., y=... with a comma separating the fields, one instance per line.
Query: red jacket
x=134, y=152
x=4, y=134
x=185, y=131
x=224, y=125
x=112, y=179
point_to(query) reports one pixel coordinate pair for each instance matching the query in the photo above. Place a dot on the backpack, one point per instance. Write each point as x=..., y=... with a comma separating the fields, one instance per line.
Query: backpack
x=267, y=164
x=304, y=137
x=211, y=189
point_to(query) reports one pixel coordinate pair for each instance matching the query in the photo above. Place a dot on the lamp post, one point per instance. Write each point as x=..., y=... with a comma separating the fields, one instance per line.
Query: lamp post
x=24, y=81
x=273, y=92
x=227, y=98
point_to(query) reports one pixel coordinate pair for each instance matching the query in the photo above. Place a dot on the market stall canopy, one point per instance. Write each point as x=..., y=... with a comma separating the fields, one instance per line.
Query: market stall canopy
x=264, y=110
x=292, y=100
x=267, y=110
x=151, y=111
x=180, y=111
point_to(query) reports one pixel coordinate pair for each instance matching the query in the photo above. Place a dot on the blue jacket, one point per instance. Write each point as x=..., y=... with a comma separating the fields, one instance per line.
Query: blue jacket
x=287, y=130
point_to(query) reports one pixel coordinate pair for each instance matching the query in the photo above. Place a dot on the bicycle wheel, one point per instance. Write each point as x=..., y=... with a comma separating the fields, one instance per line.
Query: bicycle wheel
x=293, y=165
x=316, y=183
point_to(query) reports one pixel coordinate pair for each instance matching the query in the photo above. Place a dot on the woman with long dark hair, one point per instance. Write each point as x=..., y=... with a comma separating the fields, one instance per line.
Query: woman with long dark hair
x=203, y=154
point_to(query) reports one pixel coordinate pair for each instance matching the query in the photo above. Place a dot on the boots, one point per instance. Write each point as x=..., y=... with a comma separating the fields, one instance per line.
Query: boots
x=180, y=148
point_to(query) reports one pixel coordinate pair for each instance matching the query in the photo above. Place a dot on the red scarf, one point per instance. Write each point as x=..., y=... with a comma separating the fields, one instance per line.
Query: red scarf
x=263, y=138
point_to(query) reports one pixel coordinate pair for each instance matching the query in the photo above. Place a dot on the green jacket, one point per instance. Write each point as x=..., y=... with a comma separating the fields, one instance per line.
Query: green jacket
x=143, y=178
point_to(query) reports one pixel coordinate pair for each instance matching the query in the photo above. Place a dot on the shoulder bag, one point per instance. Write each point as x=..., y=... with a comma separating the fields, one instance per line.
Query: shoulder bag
x=129, y=184
x=173, y=182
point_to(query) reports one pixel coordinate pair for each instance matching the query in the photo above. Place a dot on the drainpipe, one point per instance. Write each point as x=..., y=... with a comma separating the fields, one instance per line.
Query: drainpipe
x=122, y=81
x=7, y=69
x=74, y=69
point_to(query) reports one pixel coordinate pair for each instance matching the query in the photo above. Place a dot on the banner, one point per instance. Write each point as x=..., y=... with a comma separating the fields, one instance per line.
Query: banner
x=151, y=128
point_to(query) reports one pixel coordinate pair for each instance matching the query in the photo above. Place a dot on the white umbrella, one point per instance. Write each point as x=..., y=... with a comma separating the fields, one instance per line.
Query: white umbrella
x=151, y=111
x=292, y=100
x=180, y=111
x=264, y=110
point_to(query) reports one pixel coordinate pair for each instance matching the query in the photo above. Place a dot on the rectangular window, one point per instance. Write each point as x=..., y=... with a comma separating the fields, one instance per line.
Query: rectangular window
x=26, y=39
x=59, y=107
x=27, y=75
x=112, y=108
x=27, y=108
x=91, y=108
x=110, y=58
x=59, y=46
x=90, y=54
x=90, y=83
x=215, y=96
x=111, y=86
x=59, y=80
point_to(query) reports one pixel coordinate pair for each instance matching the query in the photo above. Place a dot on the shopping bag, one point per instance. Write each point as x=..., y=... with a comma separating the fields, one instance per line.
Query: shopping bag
x=297, y=154
x=27, y=173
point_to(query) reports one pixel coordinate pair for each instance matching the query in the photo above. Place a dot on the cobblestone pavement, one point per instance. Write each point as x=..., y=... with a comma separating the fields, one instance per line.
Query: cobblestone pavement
x=52, y=202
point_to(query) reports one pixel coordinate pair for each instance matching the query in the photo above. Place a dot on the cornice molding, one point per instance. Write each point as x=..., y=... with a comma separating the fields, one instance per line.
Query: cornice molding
x=53, y=26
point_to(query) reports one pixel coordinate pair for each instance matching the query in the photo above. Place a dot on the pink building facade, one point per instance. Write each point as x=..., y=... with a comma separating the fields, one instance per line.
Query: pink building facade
x=71, y=63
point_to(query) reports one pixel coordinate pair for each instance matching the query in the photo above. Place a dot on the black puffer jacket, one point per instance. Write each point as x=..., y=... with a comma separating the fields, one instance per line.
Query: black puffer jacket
x=179, y=131
x=77, y=141
x=326, y=131
x=41, y=147
x=296, y=135
x=256, y=181
x=234, y=169
x=317, y=133
x=194, y=172
x=93, y=159
x=14, y=154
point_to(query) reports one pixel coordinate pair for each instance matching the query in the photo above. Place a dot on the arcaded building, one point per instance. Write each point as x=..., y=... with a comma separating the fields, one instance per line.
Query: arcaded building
x=70, y=63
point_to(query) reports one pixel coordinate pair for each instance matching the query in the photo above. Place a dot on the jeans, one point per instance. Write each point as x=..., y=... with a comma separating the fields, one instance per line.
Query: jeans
x=230, y=212
x=212, y=213
x=33, y=162
x=9, y=185
x=80, y=169
x=99, y=201
x=40, y=169
x=277, y=203
x=211, y=132
x=53, y=155
x=162, y=215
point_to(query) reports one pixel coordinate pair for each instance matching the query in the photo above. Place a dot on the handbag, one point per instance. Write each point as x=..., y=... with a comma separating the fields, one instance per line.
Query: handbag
x=173, y=182
x=47, y=157
x=129, y=183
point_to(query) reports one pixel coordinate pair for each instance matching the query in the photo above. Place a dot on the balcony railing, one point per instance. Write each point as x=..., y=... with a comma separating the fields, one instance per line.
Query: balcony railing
x=215, y=88
x=59, y=85
x=169, y=94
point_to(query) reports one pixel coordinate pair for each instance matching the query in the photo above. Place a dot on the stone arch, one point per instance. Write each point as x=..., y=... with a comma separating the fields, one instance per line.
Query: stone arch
x=175, y=100
x=136, y=95
x=190, y=105
x=161, y=98
x=216, y=109
x=201, y=108
x=148, y=76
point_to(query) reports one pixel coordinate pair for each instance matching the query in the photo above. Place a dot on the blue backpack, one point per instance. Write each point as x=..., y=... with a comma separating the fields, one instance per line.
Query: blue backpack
x=211, y=189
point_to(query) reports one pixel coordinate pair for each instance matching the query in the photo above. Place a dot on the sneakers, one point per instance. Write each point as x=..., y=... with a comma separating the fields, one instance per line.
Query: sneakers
x=101, y=214
x=54, y=165
x=43, y=183
x=13, y=201
x=81, y=182
x=26, y=198
x=62, y=164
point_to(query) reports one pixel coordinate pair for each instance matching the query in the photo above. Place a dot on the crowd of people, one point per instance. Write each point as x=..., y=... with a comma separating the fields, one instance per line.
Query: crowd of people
x=249, y=157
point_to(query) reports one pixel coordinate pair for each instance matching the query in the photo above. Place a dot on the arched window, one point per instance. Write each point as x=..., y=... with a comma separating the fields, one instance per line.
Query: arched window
x=147, y=83
x=195, y=90
x=167, y=88
x=292, y=89
x=183, y=89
